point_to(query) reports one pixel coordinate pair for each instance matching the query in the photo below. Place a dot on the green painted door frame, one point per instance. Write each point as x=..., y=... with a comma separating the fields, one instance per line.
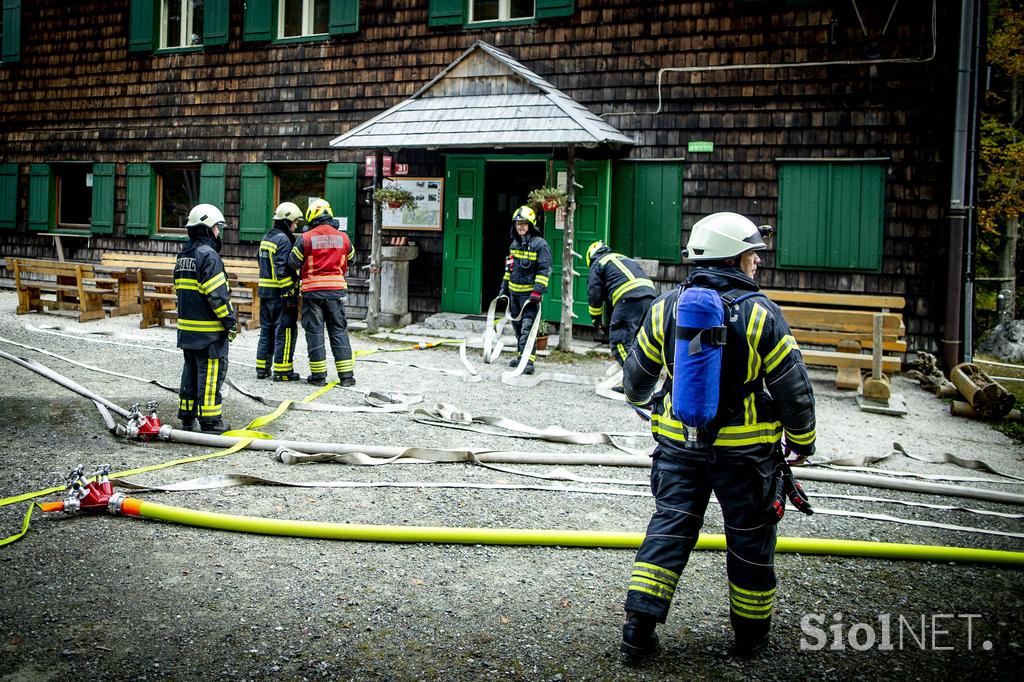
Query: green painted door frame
x=463, y=237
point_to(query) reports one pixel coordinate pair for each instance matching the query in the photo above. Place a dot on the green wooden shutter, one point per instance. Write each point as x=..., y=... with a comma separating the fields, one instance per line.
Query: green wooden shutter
x=12, y=31
x=340, y=192
x=658, y=211
x=446, y=12
x=40, y=196
x=344, y=17
x=257, y=188
x=140, y=212
x=141, y=25
x=211, y=184
x=258, y=25
x=831, y=216
x=103, y=198
x=215, y=22
x=623, y=209
x=8, y=196
x=548, y=9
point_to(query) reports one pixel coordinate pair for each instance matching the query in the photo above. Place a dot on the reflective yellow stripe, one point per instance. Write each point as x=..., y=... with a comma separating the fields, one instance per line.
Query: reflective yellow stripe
x=750, y=434
x=506, y=277
x=298, y=254
x=210, y=391
x=595, y=312
x=800, y=438
x=525, y=255
x=212, y=283
x=752, y=594
x=520, y=288
x=651, y=587
x=222, y=311
x=276, y=283
x=186, y=284
x=268, y=246
x=655, y=570
x=629, y=286
x=657, y=321
x=781, y=350
x=200, y=325
x=650, y=350
x=541, y=279
x=755, y=326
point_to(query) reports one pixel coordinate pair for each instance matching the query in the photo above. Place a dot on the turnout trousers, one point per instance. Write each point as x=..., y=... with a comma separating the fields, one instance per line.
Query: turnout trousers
x=627, y=316
x=202, y=377
x=316, y=313
x=517, y=303
x=278, y=327
x=682, y=486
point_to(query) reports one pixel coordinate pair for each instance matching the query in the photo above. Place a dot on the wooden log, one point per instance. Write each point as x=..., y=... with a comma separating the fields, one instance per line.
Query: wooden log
x=989, y=399
x=959, y=408
x=848, y=378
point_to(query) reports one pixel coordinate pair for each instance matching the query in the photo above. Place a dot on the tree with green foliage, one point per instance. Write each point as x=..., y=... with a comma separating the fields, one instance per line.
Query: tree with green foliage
x=1001, y=191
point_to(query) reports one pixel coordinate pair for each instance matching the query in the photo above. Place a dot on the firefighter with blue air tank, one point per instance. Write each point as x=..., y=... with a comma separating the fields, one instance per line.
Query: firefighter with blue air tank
x=279, y=297
x=754, y=394
x=528, y=268
x=207, y=321
x=628, y=290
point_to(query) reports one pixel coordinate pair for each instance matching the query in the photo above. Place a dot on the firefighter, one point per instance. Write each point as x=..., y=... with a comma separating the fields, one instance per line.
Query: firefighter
x=764, y=394
x=626, y=287
x=206, y=320
x=321, y=256
x=279, y=297
x=527, y=270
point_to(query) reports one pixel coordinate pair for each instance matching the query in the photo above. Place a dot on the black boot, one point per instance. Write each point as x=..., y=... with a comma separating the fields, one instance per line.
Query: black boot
x=752, y=635
x=528, y=369
x=218, y=426
x=287, y=376
x=316, y=379
x=347, y=381
x=638, y=637
x=188, y=424
x=262, y=374
x=514, y=362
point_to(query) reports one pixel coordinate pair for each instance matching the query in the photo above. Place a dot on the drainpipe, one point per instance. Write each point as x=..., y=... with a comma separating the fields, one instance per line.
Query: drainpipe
x=957, y=339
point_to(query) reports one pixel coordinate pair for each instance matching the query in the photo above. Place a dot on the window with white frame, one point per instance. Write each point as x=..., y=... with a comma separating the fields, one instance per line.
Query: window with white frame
x=181, y=23
x=297, y=18
x=500, y=10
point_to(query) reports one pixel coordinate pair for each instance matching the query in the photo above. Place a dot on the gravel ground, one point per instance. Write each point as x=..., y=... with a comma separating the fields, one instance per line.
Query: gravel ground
x=94, y=597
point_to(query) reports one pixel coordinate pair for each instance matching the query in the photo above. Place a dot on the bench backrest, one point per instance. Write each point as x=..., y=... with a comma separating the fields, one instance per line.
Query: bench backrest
x=54, y=268
x=239, y=267
x=816, y=298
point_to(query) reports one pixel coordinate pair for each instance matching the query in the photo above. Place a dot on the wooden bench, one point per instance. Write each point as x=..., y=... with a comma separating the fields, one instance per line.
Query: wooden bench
x=154, y=280
x=72, y=285
x=834, y=330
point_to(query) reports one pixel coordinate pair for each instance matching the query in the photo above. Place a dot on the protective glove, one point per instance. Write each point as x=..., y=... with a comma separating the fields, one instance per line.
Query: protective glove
x=795, y=491
x=232, y=333
x=596, y=321
x=792, y=457
x=535, y=297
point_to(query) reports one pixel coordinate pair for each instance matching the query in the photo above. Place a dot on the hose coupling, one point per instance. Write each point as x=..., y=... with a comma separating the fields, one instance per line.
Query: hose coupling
x=115, y=502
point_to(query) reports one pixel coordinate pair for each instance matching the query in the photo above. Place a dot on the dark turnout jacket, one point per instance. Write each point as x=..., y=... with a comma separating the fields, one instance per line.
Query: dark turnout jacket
x=764, y=391
x=205, y=313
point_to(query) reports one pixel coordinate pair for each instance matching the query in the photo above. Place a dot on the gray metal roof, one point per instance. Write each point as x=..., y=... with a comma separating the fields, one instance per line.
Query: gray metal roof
x=483, y=98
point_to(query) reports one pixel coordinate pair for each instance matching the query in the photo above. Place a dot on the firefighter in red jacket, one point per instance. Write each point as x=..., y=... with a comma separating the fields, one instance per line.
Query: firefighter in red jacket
x=321, y=256
x=206, y=320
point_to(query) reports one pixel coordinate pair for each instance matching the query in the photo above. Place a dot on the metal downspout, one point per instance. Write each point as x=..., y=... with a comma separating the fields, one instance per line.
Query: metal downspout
x=956, y=342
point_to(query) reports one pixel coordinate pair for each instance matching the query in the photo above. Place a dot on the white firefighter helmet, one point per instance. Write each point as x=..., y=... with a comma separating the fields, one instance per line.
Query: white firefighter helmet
x=205, y=214
x=288, y=211
x=720, y=236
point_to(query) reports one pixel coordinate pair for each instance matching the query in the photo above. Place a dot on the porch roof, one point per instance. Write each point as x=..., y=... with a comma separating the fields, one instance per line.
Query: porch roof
x=485, y=98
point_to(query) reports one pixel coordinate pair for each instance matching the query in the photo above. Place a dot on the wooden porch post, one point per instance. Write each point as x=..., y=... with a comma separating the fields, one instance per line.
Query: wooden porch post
x=373, y=302
x=565, y=329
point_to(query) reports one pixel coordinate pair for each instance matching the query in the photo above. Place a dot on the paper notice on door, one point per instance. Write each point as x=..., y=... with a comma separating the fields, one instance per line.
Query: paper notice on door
x=465, y=208
x=343, y=223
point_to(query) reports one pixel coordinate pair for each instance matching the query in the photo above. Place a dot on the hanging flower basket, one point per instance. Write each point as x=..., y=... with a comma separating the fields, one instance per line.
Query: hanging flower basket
x=548, y=198
x=394, y=197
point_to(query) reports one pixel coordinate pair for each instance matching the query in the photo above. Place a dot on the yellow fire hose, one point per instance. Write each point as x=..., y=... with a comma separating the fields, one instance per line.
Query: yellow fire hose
x=131, y=506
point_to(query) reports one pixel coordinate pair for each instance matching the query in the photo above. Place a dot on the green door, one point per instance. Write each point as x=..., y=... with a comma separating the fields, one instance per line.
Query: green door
x=463, y=234
x=591, y=223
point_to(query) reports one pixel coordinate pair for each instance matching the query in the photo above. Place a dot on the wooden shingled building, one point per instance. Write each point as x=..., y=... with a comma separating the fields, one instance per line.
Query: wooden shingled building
x=848, y=125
